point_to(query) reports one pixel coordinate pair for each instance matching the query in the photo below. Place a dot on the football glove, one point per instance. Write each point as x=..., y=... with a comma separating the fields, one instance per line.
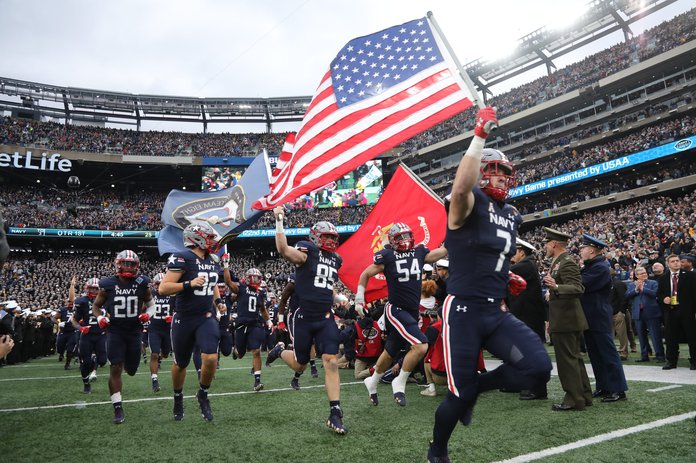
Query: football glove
x=102, y=321
x=486, y=121
x=84, y=329
x=144, y=317
x=516, y=284
x=168, y=319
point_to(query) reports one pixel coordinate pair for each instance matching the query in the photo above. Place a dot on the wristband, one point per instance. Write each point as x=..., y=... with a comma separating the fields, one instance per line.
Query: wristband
x=279, y=227
x=219, y=301
x=281, y=317
x=187, y=284
x=476, y=147
x=361, y=292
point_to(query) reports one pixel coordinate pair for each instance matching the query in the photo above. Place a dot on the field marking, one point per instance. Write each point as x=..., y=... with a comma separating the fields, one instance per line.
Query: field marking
x=665, y=388
x=81, y=405
x=104, y=374
x=599, y=438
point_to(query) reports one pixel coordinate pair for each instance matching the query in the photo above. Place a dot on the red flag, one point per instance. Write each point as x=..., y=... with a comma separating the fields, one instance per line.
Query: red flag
x=379, y=91
x=406, y=199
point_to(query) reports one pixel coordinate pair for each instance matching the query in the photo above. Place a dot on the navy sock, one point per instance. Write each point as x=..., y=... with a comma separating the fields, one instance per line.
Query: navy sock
x=204, y=389
x=312, y=364
x=257, y=377
x=298, y=374
x=178, y=393
x=335, y=406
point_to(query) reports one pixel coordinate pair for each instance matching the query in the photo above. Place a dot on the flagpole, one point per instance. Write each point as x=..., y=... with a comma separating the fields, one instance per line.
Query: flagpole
x=462, y=73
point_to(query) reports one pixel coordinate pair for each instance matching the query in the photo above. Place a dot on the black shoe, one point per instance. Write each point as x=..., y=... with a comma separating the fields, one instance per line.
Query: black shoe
x=562, y=408
x=335, y=423
x=643, y=360
x=433, y=459
x=155, y=385
x=178, y=408
x=533, y=396
x=295, y=384
x=87, y=389
x=693, y=366
x=669, y=366
x=204, y=403
x=258, y=386
x=614, y=397
x=67, y=366
x=400, y=399
x=60, y=359
x=599, y=393
x=315, y=373
x=659, y=360
x=119, y=417
x=374, y=399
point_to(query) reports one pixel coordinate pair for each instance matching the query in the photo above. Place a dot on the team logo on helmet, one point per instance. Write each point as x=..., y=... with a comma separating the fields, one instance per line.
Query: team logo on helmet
x=494, y=163
x=324, y=235
x=127, y=264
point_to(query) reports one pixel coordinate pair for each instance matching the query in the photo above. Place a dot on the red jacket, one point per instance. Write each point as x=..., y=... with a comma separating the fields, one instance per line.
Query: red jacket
x=368, y=341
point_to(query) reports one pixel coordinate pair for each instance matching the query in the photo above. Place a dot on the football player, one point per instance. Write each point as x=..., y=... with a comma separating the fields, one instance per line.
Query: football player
x=252, y=315
x=92, y=336
x=286, y=307
x=193, y=276
x=158, y=335
x=66, y=341
x=123, y=295
x=224, y=321
x=402, y=265
x=312, y=322
x=480, y=239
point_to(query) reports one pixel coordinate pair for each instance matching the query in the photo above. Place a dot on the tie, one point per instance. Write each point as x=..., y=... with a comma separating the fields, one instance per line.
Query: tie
x=675, y=282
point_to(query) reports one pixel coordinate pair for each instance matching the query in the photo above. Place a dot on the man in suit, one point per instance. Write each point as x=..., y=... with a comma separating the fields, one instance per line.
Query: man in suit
x=566, y=322
x=599, y=337
x=642, y=295
x=528, y=306
x=676, y=291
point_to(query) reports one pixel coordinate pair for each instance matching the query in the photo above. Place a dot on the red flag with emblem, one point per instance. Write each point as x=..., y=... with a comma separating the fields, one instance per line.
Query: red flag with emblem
x=406, y=199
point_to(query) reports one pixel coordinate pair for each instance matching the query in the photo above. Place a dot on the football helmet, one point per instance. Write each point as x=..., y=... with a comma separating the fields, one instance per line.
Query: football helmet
x=494, y=163
x=200, y=235
x=401, y=237
x=324, y=235
x=92, y=287
x=222, y=288
x=127, y=264
x=157, y=280
x=253, y=278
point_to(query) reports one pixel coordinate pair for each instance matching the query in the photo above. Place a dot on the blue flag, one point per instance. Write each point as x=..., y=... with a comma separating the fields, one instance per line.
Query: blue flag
x=228, y=211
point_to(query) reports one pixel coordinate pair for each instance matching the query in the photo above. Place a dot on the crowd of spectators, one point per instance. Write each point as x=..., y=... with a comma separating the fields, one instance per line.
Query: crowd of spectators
x=652, y=42
x=612, y=186
x=655, y=227
x=71, y=137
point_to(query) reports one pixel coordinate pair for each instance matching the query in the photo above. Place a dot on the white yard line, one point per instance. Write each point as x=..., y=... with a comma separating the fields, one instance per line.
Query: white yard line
x=599, y=438
x=168, y=397
x=664, y=388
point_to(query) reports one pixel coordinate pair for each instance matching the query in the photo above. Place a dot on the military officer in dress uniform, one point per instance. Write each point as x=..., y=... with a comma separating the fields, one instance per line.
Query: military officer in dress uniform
x=599, y=337
x=566, y=322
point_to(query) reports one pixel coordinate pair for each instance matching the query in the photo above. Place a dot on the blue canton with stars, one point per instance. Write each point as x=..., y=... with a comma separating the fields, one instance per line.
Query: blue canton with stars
x=369, y=65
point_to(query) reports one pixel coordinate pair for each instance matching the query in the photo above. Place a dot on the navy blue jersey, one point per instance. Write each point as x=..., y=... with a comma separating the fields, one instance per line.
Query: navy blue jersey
x=480, y=251
x=315, y=278
x=249, y=303
x=194, y=300
x=83, y=314
x=403, y=271
x=226, y=317
x=272, y=312
x=65, y=315
x=164, y=307
x=124, y=301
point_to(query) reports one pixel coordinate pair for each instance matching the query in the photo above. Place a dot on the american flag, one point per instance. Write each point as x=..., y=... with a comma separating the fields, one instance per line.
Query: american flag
x=380, y=90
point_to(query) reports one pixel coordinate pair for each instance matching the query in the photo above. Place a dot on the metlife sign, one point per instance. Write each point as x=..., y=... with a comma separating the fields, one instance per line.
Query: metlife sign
x=608, y=166
x=33, y=161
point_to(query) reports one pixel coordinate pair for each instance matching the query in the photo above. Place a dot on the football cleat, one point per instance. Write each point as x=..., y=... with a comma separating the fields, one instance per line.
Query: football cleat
x=374, y=400
x=275, y=353
x=119, y=417
x=203, y=401
x=433, y=459
x=87, y=389
x=60, y=358
x=295, y=384
x=235, y=355
x=155, y=386
x=67, y=366
x=258, y=386
x=178, y=408
x=400, y=399
x=335, y=423
x=315, y=373
x=93, y=376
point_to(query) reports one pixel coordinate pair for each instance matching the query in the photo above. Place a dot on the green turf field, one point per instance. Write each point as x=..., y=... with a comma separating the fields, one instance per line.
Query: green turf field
x=280, y=424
